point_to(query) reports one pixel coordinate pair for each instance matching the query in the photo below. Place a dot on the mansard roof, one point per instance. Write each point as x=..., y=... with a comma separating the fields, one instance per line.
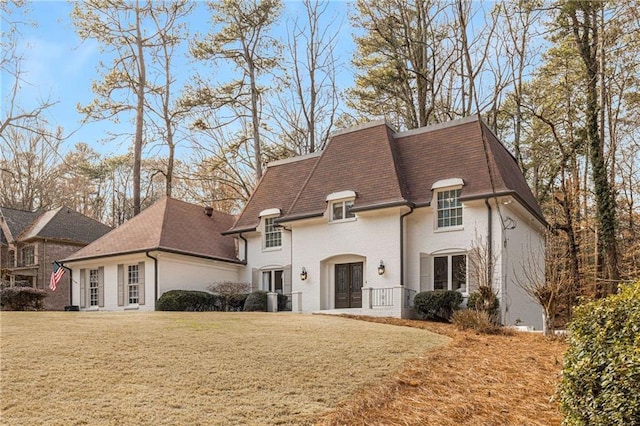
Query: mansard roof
x=387, y=168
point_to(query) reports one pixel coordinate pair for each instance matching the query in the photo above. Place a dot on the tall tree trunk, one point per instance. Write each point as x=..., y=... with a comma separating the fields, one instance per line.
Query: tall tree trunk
x=137, y=146
x=586, y=37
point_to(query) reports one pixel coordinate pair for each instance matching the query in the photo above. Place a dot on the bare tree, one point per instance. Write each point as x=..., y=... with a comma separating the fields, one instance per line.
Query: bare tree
x=243, y=41
x=230, y=290
x=547, y=284
x=308, y=101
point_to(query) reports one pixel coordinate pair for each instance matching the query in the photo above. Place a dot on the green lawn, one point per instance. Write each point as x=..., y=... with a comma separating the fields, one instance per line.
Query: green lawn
x=71, y=368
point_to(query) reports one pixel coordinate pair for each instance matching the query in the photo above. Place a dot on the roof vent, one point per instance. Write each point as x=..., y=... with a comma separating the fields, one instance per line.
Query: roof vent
x=208, y=211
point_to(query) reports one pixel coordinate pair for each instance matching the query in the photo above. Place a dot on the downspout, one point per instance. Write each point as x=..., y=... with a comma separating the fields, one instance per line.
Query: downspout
x=402, y=216
x=245, y=247
x=489, y=241
x=155, y=278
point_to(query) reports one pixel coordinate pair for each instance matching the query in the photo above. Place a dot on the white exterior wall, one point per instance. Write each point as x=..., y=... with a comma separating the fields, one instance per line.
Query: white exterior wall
x=174, y=272
x=178, y=272
x=523, y=246
x=423, y=239
x=264, y=258
x=319, y=244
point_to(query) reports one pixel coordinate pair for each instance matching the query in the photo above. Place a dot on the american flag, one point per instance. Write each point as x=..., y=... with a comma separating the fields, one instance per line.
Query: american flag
x=56, y=275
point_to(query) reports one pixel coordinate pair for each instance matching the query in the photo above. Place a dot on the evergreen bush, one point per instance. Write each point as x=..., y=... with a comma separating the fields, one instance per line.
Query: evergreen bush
x=256, y=302
x=438, y=305
x=601, y=371
x=189, y=300
x=22, y=299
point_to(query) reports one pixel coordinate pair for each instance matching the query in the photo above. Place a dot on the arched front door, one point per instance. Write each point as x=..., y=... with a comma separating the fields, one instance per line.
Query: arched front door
x=349, y=285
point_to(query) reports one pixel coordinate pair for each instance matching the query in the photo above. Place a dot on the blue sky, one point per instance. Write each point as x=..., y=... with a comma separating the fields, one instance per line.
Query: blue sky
x=60, y=67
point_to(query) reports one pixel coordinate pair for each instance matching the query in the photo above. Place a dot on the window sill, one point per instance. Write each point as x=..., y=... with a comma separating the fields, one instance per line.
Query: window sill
x=350, y=219
x=132, y=307
x=267, y=249
x=449, y=229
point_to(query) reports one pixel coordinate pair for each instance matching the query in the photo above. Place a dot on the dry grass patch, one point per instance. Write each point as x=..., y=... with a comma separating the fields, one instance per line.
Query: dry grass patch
x=66, y=368
x=475, y=380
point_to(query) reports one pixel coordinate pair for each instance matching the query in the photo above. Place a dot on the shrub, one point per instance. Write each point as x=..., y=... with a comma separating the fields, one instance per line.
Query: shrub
x=601, y=372
x=189, y=300
x=471, y=319
x=485, y=300
x=231, y=292
x=438, y=305
x=22, y=299
x=282, y=302
x=256, y=301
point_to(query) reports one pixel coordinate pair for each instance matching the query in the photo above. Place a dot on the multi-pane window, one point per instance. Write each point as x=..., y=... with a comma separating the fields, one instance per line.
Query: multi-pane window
x=94, y=283
x=450, y=272
x=449, y=208
x=272, y=281
x=28, y=256
x=272, y=233
x=12, y=259
x=342, y=210
x=132, y=283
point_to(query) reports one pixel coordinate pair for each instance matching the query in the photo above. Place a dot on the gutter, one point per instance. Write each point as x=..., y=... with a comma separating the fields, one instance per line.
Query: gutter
x=155, y=278
x=244, y=261
x=402, y=216
x=160, y=249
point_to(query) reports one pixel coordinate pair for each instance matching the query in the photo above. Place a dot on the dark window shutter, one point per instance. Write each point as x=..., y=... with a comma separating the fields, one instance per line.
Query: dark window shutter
x=141, y=283
x=255, y=279
x=120, y=285
x=83, y=288
x=287, y=280
x=101, y=286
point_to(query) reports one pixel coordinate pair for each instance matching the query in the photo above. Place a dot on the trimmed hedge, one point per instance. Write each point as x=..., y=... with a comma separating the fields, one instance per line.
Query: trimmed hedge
x=256, y=302
x=438, y=305
x=601, y=371
x=22, y=299
x=189, y=300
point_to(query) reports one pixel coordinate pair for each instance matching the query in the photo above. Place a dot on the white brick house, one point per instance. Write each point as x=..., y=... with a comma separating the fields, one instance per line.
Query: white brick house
x=359, y=227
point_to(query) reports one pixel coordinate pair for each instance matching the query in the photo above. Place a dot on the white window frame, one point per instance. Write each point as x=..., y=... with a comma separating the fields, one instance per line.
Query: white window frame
x=449, y=285
x=344, y=207
x=272, y=234
x=133, y=292
x=94, y=287
x=442, y=207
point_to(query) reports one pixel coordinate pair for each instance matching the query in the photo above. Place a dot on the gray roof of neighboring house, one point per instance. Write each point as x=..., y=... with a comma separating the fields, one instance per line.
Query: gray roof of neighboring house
x=62, y=224
x=386, y=168
x=168, y=225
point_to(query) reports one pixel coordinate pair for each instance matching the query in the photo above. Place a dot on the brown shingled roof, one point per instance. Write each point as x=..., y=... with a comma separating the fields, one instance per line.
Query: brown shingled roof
x=387, y=168
x=361, y=161
x=277, y=189
x=169, y=225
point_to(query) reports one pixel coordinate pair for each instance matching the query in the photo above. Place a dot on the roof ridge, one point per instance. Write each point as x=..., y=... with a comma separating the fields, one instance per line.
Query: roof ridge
x=439, y=126
x=306, y=181
x=294, y=159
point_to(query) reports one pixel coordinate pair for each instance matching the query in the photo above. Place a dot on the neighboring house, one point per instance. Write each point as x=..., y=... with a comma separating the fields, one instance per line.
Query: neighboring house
x=171, y=245
x=360, y=228
x=31, y=241
x=378, y=216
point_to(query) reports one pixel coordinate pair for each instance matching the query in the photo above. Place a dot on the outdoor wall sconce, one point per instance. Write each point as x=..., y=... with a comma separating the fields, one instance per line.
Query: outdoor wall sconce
x=381, y=268
x=303, y=274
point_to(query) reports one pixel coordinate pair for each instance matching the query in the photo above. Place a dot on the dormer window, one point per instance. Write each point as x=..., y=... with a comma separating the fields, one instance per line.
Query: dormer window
x=341, y=210
x=340, y=204
x=448, y=204
x=272, y=233
x=449, y=208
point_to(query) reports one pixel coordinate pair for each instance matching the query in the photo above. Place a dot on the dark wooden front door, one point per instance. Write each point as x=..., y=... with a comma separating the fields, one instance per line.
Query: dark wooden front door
x=349, y=285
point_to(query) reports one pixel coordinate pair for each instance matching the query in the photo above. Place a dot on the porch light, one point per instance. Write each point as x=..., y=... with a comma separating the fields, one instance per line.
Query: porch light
x=303, y=274
x=381, y=268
